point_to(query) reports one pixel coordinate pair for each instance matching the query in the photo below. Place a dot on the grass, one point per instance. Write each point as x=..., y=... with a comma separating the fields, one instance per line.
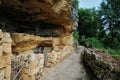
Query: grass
x=114, y=52
x=97, y=44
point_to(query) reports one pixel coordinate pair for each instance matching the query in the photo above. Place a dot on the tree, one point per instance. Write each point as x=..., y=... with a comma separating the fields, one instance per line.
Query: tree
x=88, y=22
x=110, y=17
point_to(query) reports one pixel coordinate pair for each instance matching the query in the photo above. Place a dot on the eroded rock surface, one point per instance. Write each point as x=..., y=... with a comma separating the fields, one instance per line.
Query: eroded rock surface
x=44, y=27
x=52, y=11
x=5, y=55
x=104, y=66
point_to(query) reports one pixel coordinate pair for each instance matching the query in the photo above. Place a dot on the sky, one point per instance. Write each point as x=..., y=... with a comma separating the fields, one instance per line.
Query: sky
x=89, y=3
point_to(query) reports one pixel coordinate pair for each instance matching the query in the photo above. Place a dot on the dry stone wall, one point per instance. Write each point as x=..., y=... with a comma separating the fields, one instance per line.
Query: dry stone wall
x=104, y=66
x=5, y=55
x=58, y=54
x=18, y=59
x=31, y=65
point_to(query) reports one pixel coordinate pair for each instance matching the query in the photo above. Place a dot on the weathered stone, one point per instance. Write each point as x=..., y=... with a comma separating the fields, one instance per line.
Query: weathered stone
x=6, y=78
x=41, y=62
x=6, y=35
x=56, y=42
x=26, y=42
x=102, y=64
x=70, y=41
x=30, y=71
x=1, y=34
x=61, y=9
x=2, y=63
x=27, y=77
x=8, y=72
x=33, y=64
x=7, y=40
x=6, y=47
x=2, y=74
x=57, y=48
x=1, y=52
x=7, y=59
x=52, y=58
x=53, y=26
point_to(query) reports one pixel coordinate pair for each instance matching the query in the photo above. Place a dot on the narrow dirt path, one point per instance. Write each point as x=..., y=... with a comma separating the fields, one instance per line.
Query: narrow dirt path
x=70, y=69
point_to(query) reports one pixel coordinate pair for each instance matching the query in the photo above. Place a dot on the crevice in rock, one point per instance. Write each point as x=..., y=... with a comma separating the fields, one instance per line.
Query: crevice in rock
x=22, y=0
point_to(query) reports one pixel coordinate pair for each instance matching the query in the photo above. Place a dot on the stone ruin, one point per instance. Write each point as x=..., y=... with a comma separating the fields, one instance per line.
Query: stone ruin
x=34, y=34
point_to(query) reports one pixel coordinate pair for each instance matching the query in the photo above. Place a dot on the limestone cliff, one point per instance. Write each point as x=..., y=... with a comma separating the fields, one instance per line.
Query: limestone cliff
x=41, y=32
x=43, y=18
x=48, y=11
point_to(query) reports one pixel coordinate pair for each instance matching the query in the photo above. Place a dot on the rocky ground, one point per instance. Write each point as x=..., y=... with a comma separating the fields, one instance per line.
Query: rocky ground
x=71, y=68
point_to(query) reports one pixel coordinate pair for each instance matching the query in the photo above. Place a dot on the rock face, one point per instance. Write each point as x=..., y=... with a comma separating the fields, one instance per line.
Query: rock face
x=41, y=32
x=57, y=12
x=5, y=55
x=104, y=66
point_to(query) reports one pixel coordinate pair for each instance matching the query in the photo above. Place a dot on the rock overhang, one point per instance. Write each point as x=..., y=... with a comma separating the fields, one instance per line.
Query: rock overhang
x=51, y=11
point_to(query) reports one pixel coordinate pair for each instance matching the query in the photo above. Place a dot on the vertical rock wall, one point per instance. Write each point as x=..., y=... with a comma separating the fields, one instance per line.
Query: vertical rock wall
x=5, y=55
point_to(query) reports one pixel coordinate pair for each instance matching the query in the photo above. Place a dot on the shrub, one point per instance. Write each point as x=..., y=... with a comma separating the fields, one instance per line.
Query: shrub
x=114, y=52
x=75, y=35
x=94, y=42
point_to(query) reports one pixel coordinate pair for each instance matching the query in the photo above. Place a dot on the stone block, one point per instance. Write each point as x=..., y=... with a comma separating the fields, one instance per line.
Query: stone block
x=63, y=41
x=70, y=41
x=27, y=77
x=57, y=48
x=59, y=53
x=41, y=62
x=6, y=35
x=2, y=62
x=30, y=72
x=33, y=64
x=7, y=40
x=8, y=72
x=7, y=60
x=40, y=56
x=52, y=59
x=6, y=47
x=2, y=74
x=56, y=42
x=7, y=79
x=27, y=65
x=31, y=57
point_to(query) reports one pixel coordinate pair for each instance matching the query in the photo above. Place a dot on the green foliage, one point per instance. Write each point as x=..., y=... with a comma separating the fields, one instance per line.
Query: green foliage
x=76, y=35
x=101, y=28
x=114, y=52
x=110, y=18
x=94, y=42
x=88, y=22
x=77, y=3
